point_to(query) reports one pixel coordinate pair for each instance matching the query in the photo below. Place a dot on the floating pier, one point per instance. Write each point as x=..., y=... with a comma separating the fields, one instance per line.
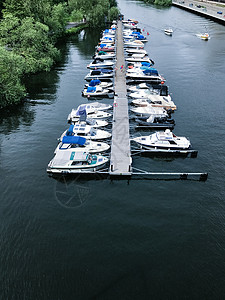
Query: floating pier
x=120, y=158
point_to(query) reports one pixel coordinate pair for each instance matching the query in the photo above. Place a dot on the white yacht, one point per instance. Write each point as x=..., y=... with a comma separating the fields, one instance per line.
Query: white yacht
x=163, y=141
x=150, y=110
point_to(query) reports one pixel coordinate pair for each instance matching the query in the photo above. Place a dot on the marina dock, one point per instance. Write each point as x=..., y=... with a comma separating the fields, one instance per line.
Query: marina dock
x=120, y=158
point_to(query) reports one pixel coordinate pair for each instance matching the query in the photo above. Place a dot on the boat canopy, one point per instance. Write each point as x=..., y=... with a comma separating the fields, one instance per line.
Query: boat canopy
x=103, y=45
x=96, y=72
x=81, y=111
x=106, y=30
x=140, y=37
x=94, y=82
x=70, y=131
x=102, y=53
x=146, y=64
x=91, y=89
x=74, y=140
x=150, y=71
x=106, y=71
x=136, y=32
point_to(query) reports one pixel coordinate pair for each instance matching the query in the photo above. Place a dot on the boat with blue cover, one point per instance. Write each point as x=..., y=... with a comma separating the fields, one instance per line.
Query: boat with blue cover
x=144, y=74
x=81, y=143
x=91, y=111
x=102, y=74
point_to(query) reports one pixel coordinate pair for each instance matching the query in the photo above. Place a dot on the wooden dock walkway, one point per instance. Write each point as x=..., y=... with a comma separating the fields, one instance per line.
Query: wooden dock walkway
x=120, y=159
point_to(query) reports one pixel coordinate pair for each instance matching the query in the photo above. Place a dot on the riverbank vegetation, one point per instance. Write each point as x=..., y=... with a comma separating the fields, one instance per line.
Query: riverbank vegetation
x=159, y=2
x=29, y=31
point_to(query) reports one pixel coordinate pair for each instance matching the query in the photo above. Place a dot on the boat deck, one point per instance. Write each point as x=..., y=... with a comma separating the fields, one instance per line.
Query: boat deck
x=120, y=158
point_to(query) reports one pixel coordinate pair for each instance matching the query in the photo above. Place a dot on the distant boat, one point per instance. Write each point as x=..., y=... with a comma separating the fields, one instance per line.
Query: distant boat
x=168, y=31
x=205, y=36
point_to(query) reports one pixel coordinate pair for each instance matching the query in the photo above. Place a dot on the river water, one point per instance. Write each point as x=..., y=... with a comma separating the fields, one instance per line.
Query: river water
x=96, y=239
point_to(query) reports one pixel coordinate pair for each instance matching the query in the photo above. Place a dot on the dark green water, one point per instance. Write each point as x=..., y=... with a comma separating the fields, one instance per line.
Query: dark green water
x=98, y=239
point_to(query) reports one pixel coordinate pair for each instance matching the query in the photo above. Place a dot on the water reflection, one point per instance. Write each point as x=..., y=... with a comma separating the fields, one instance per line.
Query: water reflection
x=13, y=117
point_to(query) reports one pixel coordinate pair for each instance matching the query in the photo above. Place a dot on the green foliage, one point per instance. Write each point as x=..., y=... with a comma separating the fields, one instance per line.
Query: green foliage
x=11, y=70
x=29, y=31
x=76, y=16
x=163, y=2
x=30, y=40
x=114, y=12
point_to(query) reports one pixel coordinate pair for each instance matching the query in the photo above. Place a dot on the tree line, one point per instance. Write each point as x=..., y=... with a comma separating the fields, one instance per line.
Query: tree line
x=29, y=31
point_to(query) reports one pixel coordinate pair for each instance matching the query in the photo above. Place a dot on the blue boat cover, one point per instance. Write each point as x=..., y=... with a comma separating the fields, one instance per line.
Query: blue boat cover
x=150, y=71
x=136, y=32
x=107, y=38
x=140, y=37
x=94, y=82
x=106, y=30
x=91, y=89
x=146, y=64
x=81, y=111
x=102, y=45
x=74, y=140
x=106, y=71
x=70, y=130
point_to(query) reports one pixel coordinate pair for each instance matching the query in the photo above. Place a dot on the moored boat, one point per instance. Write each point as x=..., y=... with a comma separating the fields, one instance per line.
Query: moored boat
x=72, y=161
x=163, y=141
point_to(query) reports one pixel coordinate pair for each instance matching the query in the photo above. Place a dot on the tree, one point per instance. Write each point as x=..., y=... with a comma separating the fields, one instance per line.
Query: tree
x=11, y=87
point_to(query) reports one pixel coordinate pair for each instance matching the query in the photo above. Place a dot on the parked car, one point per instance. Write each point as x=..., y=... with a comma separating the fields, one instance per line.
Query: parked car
x=220, y=12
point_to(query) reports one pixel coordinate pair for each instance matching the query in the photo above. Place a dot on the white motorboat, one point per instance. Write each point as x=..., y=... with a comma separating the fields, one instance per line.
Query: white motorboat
x=136, y=50
x=105, y=48
x=74, y=116
x=95, y=123
x=130, y=25
x=81, y=143
x=149, y=74
x=138, y=58
x=109, y=32
x=156, y=101
x=87, y=131
x=107, y=39
x=72, y=161
x=105, y=55
x=102, y=74
x=145, y=97
x=99, y=83
x=203, y=36
x=150, y=110
x=163, y=141
x=168, y=31
x=93, y=110
x=134, y=44
x=138, y=87
x=99, y=63
x=95, y=91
